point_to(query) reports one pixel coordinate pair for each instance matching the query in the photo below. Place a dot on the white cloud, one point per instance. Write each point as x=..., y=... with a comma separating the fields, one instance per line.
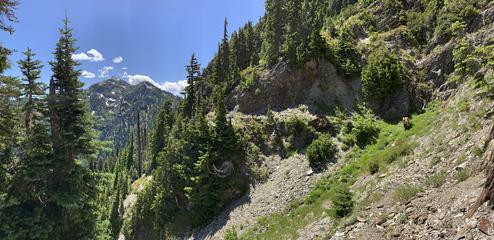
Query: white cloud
x=86, y=74
x=92, y=55
x=118, y=59
x=81, y=57
x=175, y=88
x=104, y=71
x=125, y=68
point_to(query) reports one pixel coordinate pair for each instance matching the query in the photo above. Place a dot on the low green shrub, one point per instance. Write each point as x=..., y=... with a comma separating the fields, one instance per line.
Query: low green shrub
x=435, y=160
x=231, y=234
x=321, y=150
x=462, y=175
x=373, y=167
x=342, y=201
x=364, y=131
x=464, y=105
x=406, y=192
x=437, y=179
x=382, y=75
x=477, y=151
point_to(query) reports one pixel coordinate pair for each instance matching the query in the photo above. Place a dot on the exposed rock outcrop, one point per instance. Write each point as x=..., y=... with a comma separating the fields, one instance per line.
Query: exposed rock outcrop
x=316, y=84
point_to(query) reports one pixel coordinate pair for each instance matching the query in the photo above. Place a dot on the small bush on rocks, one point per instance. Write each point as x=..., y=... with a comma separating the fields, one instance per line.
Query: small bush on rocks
x=231, y=234
x=362, y=131
x=437, y=179
x=342, y=201
x=373, y=167
x=462, y=175
x=321, y=150
x=406, y=192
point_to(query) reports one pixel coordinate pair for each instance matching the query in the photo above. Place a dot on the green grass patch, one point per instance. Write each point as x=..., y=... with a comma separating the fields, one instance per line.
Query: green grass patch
x=406, y=192
x=392, y=143
x=462, y=175
x=437, y=179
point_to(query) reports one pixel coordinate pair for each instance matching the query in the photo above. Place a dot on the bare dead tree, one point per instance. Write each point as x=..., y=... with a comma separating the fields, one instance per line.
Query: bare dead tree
x=224, y=171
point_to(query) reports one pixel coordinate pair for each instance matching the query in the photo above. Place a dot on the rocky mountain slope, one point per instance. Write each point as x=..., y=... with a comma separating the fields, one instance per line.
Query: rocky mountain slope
x=427, y=177
x=387, y=138
x=114, y=103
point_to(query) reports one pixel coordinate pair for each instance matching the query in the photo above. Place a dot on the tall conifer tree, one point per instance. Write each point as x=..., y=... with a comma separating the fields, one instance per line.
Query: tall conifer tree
x=71, y=128
x=31, y=70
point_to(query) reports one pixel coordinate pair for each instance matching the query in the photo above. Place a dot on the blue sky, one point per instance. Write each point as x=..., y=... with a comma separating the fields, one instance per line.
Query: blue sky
x=153, y=38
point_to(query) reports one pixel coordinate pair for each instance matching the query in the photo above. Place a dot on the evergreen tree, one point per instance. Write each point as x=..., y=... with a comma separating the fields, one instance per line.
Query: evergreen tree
x=73, y=185
x=224, y=55
x=139, y=144
x=293, y=38
x=7, y=12
x=193, y=76
x=273, y=32
x=31, y=70
x=28, y=194
x=159, y=134
x=129, y=154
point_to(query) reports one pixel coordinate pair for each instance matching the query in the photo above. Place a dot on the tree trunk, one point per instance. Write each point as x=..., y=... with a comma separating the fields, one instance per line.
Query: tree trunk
x=487, y=193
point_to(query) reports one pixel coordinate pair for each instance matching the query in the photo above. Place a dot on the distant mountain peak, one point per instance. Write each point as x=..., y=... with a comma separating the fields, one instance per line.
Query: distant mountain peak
x=114, y=103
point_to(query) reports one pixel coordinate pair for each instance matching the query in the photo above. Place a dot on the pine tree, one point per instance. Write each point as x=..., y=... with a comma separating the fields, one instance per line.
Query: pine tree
x=73, y=185
x=224, y=55
x=7, y=10
x=159, y=134
x=273, y=32
x=193, y=76
x=139, y=145
x=31, y=70
x=293, y=38
x=25, y=215
x=129, y=154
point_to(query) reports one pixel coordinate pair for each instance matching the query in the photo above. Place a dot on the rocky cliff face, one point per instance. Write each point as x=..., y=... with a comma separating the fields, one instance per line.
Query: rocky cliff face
x=316, y=84
x=426, y=190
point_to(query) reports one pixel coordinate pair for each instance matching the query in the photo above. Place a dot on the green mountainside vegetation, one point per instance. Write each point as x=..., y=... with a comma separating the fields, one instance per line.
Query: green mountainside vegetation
x=168, y=167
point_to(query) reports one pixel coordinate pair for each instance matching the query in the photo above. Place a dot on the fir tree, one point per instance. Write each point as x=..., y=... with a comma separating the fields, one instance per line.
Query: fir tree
x=31, y=70
x=74, y=186
x=7, y=12
x=159, y=134
x=224, y=55
x=273, y=32
x=139, y=144
x=193, y=76
x=293, y=38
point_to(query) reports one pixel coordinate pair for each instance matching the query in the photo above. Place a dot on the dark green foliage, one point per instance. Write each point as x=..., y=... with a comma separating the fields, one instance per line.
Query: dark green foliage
x=72, y=141
x=373, y=167
x=7, y=13
x=382, y=75
x=342, y=201
x=335, y=6
x=159, y=133
x=193, y=75
x=31, y=70
x=23, y=211
x=321, y=150
x=293, y=38
x=463, y=59
x=273, y=32
x=362, y=131
x=454, y=11
x=347, y=55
